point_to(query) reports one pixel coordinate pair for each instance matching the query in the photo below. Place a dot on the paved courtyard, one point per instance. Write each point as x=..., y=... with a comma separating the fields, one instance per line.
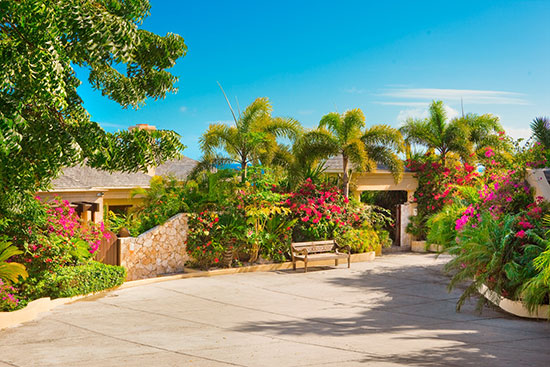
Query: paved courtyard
x=394, y=311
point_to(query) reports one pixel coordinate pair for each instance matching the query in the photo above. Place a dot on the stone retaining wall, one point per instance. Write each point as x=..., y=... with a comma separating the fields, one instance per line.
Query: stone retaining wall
x=160, y=250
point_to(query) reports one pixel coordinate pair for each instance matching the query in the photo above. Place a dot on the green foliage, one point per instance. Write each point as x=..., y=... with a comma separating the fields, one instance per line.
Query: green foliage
x=252, y=140
x=361, y=148
x=360, y=240
x=43, y=123
x=441, y=226
x=165, y=198
x=541, y=131
x=78, y=280
x=500, y=253
x=10, y=271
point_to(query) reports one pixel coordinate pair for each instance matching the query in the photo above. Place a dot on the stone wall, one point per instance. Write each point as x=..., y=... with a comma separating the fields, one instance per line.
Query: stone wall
x=160, y=250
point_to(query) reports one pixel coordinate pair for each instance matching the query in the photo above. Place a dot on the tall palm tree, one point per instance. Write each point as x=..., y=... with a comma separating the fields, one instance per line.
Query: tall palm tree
x=464, y=135
x=486, y=131
x=541, y=130
x=439, y=134
x=360, y=148
x=253, y=137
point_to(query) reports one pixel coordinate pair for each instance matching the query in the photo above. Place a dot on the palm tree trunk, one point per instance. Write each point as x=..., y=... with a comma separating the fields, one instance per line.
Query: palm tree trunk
x=243, y=170
x=345, y=176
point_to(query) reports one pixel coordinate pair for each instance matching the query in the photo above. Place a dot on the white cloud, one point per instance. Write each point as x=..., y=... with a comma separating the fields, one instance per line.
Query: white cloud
x=518, y=132
x=183, y=109
x=406, y=104
x=422, y=113
x=354, y=90
x=468, y=95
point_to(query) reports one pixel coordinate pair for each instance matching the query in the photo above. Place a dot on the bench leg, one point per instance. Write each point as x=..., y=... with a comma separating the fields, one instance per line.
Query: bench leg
x=336, y=262
x=294, y=265
x=305, y=266
x=349, y=261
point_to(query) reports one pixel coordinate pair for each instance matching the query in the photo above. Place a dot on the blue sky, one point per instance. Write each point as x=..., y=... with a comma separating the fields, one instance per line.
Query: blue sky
x=314, y=57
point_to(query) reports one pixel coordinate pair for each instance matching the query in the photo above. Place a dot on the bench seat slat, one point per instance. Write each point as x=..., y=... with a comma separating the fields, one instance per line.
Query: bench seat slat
x=323, y=256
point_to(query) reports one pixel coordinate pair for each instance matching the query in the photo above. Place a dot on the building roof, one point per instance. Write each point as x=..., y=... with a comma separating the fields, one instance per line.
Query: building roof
x=179, y=168
x=335, y=165
x=86, y=178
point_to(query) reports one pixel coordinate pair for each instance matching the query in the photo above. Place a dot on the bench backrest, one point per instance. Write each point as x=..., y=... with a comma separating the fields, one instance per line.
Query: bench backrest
x=314, y=246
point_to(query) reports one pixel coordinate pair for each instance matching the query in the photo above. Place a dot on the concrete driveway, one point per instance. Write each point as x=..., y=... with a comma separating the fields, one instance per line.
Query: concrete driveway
x=394, y=311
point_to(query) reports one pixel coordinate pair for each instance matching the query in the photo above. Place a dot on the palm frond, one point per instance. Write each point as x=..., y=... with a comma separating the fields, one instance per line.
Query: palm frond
x=541, y=130
x=384, y=135
x=284, y=127
x=332, y=122
x=357, y=154
x=353, y=122
x=256, y=113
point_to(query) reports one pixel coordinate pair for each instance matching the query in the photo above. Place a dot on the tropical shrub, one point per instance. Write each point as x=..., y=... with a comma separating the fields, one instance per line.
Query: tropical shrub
x=499, y=250
x=165, y=198
x=8, y=297
x=437, y=186
x=10, y=271
x=78, y=280
x=320, y=211
x=360, y=240
x=204, y=240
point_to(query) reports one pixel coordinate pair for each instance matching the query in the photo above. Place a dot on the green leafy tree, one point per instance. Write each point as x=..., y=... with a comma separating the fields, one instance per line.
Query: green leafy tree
x=252, y=140
x=360, y=148
x=43, y=123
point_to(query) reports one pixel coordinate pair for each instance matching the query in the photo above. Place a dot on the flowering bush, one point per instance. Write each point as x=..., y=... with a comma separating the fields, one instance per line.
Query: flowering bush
x=63, y=241
x=437, y=186
x=502, y=193
x=8, y=298
x=321, y=211
x=204, y=240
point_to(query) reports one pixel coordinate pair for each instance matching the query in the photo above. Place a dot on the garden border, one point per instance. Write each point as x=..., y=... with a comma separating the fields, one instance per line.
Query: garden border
x=516, y=308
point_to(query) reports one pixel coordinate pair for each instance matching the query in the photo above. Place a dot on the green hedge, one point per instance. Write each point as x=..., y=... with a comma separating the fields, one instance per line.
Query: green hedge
x=73, y=281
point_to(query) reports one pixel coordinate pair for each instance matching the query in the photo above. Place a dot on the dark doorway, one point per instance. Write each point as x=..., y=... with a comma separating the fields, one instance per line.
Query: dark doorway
x=390, y=200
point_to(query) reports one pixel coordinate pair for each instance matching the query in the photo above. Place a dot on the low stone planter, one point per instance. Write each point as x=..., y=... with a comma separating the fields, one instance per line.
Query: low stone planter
x=33, y=309
x=516, y=308
x=420, y=246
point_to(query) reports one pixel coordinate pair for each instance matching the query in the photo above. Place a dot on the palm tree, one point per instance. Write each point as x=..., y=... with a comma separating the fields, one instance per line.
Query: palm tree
x=360, y=148
x=436, y=133
x=486, y=131
x=541, y=131
x=253, y=137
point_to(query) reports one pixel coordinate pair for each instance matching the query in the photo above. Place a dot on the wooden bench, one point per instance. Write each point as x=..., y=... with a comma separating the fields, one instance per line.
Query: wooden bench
x=318, y=250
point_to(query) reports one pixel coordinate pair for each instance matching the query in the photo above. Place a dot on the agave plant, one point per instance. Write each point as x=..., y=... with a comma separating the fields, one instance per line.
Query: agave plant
x=10, y=271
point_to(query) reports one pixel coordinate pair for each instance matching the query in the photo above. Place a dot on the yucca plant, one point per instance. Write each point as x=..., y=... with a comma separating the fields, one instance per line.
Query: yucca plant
x=10, y=271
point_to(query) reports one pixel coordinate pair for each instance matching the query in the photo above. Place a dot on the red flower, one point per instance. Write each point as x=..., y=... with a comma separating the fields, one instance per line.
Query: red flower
x=216, y=260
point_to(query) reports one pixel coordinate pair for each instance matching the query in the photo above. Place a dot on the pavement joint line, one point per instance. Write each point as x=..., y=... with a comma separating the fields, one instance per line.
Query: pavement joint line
x=389, y=331
x=356, y=304
x=436, y=321
x=252, y=333
x=10, y=364
x=149, y=345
